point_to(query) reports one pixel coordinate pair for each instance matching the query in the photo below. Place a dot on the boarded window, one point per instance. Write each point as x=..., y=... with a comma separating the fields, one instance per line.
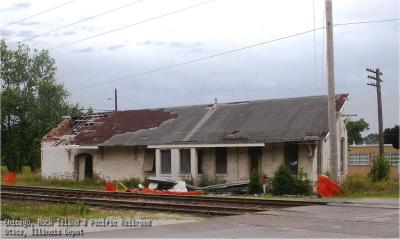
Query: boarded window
x=184, y=161
x=200, y=161
x=149, y=159
x=221, y=160
x=165, y=161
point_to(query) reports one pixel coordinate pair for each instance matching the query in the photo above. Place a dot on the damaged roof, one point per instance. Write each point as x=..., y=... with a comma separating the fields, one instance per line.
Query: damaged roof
x=260, y=121
x=120, y=122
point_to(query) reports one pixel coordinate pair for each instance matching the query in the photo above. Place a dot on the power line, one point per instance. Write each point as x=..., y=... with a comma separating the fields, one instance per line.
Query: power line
x=315, y=50
x=130, y=100
x=83, y=20
x=366, y=22
x=133, y=24
x=196, y=60
x=39, y=13
x=223, y=53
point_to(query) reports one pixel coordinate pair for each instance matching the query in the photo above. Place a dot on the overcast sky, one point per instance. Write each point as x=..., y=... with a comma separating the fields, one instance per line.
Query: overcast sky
x=280, y=69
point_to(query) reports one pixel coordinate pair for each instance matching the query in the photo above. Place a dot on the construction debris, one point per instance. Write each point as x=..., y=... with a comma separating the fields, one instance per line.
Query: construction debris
x=170, y=187
x=240, y=186
x=179, y=187
x=168, y=183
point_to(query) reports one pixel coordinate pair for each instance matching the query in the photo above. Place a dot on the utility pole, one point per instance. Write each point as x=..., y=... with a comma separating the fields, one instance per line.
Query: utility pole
x=115, y=99
x=377, y=84
x=331, y=92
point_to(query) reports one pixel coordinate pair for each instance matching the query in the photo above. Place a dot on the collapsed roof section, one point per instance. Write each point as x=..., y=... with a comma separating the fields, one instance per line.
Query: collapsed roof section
x=260, y=121
x=94, y=129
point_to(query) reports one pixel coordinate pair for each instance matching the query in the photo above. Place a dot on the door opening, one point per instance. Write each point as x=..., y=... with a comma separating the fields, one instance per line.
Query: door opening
x=292, y=158
x=255, y=157
x=83, y=166
x=88, y=166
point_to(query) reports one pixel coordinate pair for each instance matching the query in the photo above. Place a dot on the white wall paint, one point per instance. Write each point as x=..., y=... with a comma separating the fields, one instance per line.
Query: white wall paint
x=55, y=161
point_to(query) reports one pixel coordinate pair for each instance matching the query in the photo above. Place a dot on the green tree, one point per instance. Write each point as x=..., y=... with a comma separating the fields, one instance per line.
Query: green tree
x=282, y=182
x=380, y=169
x=32, y=103
x=254, y=184
x=391, y=136
x=90, y=110
x=354, y=129
x=371, y=139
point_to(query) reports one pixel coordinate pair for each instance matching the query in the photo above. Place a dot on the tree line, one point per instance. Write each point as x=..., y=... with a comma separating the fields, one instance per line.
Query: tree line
x=355, y=128
x=32, y=103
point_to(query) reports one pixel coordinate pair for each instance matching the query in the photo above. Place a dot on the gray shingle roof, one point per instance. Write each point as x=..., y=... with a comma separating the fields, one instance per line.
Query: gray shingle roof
x=261, y=121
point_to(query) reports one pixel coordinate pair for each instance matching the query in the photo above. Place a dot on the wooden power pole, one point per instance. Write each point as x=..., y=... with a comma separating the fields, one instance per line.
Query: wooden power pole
x=332, y=117
x=377, y=84
x=115, y=99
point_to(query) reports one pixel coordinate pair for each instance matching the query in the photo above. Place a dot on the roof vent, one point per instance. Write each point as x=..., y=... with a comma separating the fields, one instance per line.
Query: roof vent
x=234, y=132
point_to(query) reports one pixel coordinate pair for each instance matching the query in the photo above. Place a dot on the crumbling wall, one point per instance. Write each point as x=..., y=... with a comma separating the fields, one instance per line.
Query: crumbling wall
x=209, y=162
x=308, y=161
x=342, y=132
x=118, y=163
x=238, y=164
x=273, y=156
x=56, y=161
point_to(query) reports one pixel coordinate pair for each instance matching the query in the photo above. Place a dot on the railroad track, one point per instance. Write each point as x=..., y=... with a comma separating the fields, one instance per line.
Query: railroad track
x=216, y=206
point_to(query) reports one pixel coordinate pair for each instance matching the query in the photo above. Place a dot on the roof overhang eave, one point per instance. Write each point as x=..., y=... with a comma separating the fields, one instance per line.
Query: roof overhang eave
x=225, y=145
x=75, y=146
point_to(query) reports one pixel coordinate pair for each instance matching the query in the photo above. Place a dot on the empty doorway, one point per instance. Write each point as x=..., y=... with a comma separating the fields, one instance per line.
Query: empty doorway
x=83, y=166
x=292, y=158
x=255, y=157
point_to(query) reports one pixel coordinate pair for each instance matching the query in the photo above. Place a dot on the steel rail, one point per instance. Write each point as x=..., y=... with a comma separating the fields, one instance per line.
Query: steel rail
x=131, y=205
x=265, y=203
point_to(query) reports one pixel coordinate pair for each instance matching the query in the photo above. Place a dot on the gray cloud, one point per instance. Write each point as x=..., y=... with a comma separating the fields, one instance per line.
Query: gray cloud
x=152, y=43
x=116, y=46
x=68, y=33
x=89, y=28
x=6, y=32
x=25, y=33
x=21, y=5
x=186, y=46
x=15, y=6
x=28, y=23
x=86, y=49
x=214, y=73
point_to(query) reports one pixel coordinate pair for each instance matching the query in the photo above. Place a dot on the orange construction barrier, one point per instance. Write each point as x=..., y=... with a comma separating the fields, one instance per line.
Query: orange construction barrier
x=111, y=187
x=10, y=178
x=327, y=187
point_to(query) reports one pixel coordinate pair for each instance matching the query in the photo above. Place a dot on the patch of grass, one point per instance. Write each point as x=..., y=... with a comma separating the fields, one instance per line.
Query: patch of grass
x=132, y=182
x=29, y=178
x=362, y=186
x=79, y=210
x=15, y=211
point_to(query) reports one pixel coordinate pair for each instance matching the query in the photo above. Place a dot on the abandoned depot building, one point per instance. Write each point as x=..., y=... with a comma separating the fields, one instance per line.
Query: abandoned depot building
x=226, y=140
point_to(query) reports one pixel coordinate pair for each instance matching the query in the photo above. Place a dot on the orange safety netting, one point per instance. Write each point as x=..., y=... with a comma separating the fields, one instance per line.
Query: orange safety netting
x=10, y=178
x=327, y=187
x=111, y=187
